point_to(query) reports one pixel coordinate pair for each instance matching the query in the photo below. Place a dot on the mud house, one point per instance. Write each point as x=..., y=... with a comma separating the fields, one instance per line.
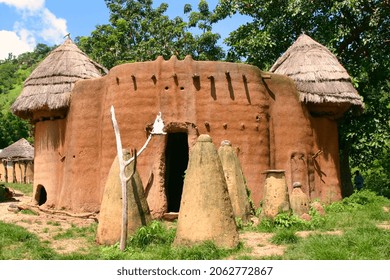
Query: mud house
x=17, y=162
x=271, y=120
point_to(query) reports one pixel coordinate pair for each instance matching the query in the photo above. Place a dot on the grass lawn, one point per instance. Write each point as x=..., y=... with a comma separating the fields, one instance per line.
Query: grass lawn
x=355, y=219
x=27, y=189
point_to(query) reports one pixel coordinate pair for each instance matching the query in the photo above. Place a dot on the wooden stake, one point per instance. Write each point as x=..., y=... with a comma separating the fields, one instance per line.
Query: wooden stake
x=124, y=180
x=158, y=127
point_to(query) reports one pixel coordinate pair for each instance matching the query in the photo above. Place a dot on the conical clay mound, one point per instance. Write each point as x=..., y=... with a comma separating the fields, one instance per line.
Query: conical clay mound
x=235, y=181
x=206, y=212
x=110, y=217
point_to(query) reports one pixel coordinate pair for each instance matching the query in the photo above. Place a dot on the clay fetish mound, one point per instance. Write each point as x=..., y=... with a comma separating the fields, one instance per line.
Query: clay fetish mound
x=299, y=201
x=110, y=217
x=276, y=198
x=206, y=212
x=235, y=181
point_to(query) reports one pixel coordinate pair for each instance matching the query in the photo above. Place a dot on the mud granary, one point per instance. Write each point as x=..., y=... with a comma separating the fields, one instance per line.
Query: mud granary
x=273, y=121
x=17, y=162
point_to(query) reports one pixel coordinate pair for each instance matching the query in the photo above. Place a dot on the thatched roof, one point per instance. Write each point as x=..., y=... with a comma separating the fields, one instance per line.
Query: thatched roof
x=20, y=150
x=319, y=76
x=50, y=84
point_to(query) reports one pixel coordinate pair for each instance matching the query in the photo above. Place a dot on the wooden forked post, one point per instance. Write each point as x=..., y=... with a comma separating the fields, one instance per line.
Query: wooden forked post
x=157, y=129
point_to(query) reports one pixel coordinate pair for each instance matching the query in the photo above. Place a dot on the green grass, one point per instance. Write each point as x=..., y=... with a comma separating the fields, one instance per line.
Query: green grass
x=285, y=236
x=77, y=232
x=356, y=218
x=29, y=212
x=17, y=243
x=155, y=242
x=26, y=189
x=362, y=243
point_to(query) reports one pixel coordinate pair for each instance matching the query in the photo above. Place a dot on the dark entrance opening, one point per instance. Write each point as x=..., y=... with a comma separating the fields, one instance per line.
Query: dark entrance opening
x=40, y=195
x=176, y=161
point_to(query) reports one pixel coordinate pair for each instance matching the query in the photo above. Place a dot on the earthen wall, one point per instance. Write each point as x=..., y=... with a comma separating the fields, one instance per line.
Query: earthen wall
x=326, y=164
x=49, y=158
x=259, y=113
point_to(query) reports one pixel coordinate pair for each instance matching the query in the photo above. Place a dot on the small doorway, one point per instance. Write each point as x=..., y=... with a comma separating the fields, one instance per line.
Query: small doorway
x=40, y=195
x=176, y=161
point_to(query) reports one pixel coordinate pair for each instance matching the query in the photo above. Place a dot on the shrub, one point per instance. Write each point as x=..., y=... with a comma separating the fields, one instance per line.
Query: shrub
x=285, y=236
x=155, y=233
x=287, y=220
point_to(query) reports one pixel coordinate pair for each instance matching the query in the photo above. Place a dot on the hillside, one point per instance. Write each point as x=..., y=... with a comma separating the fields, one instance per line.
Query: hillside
x=13, y=72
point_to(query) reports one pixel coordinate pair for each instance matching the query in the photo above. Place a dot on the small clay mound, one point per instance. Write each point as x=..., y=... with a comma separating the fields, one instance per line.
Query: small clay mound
x=206, y=212
x=110, y=218
x=276, y=198
x=235, y=181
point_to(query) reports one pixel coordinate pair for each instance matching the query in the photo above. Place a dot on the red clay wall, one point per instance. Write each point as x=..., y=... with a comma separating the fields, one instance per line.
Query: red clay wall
x=291, y=132
x=234, y=106
x=49, y=158
x=263, y=119
x=327, y=186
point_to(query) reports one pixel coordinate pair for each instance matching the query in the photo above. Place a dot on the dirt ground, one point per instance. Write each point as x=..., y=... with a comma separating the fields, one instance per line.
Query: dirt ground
x=45, y=225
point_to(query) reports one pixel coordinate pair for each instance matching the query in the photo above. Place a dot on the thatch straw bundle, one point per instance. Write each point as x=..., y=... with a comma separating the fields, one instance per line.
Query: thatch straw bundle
x=50, y=84
x=319, y=76
x=20, y=150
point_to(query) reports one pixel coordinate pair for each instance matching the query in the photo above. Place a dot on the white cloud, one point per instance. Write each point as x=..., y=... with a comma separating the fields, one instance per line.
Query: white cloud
x=14, y=43
x=54, y=29
x=36, y=23
x=32, y=5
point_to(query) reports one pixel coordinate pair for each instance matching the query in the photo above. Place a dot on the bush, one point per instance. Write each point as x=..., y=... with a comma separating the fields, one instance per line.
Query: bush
x=356, y=201
x=285, y=236
x=282, y=220
x=155, y=233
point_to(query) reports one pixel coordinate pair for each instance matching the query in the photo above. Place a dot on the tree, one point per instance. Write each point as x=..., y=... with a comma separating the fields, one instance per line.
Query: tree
x=12, y=129
x=139, y=32
x=357, y=32
x=205, y=43
x=7, y=75
x=13, y=72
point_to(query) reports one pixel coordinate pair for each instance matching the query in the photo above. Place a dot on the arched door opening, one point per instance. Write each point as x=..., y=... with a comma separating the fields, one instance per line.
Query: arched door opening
x=176, y=161
x=40, y=195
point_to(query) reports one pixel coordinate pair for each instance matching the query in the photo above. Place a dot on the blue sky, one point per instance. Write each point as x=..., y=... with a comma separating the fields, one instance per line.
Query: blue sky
x=25, y=23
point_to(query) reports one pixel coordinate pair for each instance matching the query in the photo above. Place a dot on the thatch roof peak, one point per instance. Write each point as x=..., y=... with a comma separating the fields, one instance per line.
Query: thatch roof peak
x=20, y=150
x=319, y=76
x=50, y=84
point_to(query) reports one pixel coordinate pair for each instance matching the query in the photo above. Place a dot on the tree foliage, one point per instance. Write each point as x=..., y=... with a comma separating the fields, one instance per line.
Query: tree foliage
x=356, y=31
x=13, y=72
x=138, y=32
x=12, y=129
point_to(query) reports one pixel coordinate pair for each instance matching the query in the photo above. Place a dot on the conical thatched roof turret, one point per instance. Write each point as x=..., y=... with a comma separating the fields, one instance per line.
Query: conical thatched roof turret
x=49, y=85
x=20, y=150
x=319, y=76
